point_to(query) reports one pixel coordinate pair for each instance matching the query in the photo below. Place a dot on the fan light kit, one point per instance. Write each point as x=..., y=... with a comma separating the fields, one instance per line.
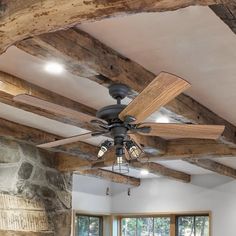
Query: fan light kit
x=124, y=123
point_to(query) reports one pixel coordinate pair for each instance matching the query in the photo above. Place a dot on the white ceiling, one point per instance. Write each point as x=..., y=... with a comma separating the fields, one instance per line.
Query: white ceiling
x=192, y=43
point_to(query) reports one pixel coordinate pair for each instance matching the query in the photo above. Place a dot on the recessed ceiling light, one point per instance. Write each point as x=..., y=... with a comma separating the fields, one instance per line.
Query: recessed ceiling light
x=162, y=119
x=54, y=68
x=144, y=172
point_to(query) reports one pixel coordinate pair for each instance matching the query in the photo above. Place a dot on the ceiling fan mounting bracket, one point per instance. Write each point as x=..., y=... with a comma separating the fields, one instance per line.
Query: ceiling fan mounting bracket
x=119, y=91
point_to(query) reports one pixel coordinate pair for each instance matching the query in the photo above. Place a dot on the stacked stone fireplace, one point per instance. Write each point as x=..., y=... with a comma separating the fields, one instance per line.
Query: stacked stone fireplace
x=35, y=199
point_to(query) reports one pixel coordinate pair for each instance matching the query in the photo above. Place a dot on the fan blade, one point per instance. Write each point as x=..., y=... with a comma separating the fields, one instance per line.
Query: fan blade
x=184, y=130
x=52, y=107
x=73, y=139
x=159, y=92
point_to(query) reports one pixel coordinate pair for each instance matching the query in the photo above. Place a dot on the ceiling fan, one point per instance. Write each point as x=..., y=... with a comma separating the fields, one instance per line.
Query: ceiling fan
x=123, y=122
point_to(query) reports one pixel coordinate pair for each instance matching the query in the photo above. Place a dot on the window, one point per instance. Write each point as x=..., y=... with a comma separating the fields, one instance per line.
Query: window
x=88, y=225
x=145, y=226
x=192, y=225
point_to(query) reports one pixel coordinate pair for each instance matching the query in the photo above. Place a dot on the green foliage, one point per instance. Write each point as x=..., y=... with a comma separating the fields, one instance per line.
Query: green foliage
x=146, y=226
x=193, y=226
x=88, y=226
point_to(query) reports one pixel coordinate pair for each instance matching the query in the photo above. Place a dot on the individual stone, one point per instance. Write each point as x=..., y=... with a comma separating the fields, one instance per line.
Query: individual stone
x=29, y=151
x=25, y=170
x=46, y=192
x=46, y=158
x=55, y=179
x=38, y=175
x=9, y=151
x=8, y=177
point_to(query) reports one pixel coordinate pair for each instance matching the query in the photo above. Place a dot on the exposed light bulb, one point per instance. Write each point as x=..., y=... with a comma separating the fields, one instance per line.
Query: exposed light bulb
x=119, y=160
x=133, y=150
x=144, y=172
x=54, y=68
x=102, y=151
x=104, y=147
x=163, y=119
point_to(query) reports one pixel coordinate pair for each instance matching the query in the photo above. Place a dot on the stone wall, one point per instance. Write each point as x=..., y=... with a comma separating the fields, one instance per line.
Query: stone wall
x=35, y=199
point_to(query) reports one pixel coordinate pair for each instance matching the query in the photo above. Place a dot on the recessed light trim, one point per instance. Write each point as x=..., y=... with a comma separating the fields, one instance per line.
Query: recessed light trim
x=162, y=119
x=54, y=68
x=144, y=172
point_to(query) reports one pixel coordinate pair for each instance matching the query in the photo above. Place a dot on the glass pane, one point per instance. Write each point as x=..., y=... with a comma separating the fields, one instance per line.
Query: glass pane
x=94, y=226
x=161, y=226
x=186, y=226
x=202, y=225
x=128, y=226
x=83, y=225
x=144, y=226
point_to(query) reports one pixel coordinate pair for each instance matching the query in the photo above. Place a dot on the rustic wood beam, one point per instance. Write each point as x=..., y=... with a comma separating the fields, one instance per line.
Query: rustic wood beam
x=100, y=59
x=214, y=166
x=111, y=176
x=158, y=169
x=34, y=136
x=227, y=13
x=189, y=148
x=70, y=163
x=47, y=15
x=11, y=86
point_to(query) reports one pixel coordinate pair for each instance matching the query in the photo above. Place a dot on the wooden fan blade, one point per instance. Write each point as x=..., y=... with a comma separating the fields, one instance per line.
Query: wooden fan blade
x=73, y=139
x=159, y=92
x=52, y=107
x=184, y=130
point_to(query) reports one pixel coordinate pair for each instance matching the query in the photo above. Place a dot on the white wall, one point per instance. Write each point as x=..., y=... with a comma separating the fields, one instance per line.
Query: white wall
x=88, y=195
x=206, y=193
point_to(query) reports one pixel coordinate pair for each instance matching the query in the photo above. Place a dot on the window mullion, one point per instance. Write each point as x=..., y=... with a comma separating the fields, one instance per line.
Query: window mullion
x=153, y=226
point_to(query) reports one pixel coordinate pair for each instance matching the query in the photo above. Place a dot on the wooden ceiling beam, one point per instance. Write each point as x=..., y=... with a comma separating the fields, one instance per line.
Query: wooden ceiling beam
x=46, y=15
x=67, y=163
x=214, y=166
x=159, y=169
x=34, y=136
x=227, y=13
x=11, y=86
x=192, y=148
x=111, y=67
x=111, y=176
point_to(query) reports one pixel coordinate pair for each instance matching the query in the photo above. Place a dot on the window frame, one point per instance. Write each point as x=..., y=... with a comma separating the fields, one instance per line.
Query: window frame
x=173, y=219
x=75, y=222
x=191, y=215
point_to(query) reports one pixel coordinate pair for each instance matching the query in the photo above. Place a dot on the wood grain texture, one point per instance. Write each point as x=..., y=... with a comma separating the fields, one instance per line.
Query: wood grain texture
x=11, y=86
x=49, y=15
x=214, y=166
x=64, y=141
x=159, y=169
x=68, y=163
x=52, y=107
x=227, y=13
x=189, y=148
x=98, y=57
x=34, y=136
x=111, y=176
x=185, y=130
x=158, y=93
